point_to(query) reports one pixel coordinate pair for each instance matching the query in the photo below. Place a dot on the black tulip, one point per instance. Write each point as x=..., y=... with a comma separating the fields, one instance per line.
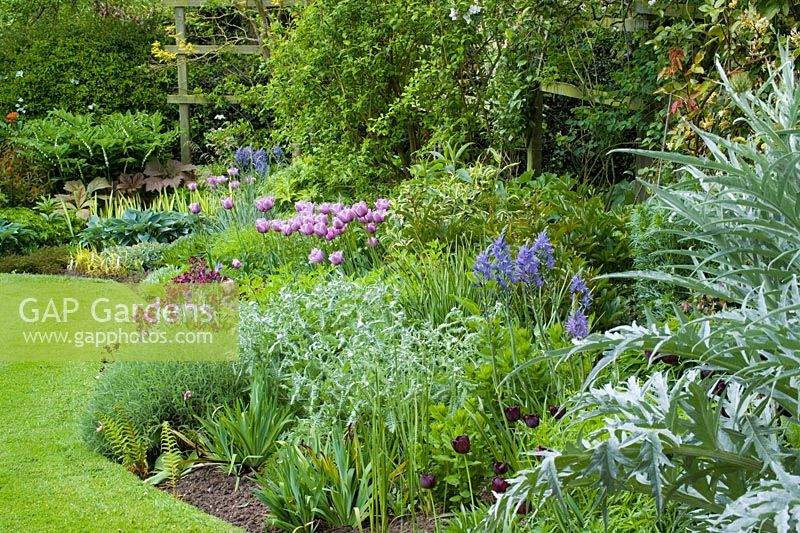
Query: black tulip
x=531, y=421
x=427, y=481
x=461, y=444
x=719, y=387
x=557, y=412
x=500, y=468
x=523, y=508
x=500, y=485
x=513, y=413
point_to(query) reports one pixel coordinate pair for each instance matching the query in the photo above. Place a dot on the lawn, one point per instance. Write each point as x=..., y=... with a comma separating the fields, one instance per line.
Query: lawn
x=50, y=481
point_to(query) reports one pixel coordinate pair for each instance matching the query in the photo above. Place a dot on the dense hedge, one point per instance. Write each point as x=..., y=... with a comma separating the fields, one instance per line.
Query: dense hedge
x=73, y=62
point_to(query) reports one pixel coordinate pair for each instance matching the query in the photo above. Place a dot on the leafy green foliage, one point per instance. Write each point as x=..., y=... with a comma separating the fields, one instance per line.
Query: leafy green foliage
x=46, y=260
x=153, y=392
x=712, y=444
x=75, y=60
x=137, y=227
x=171, y=460
x=27, y=230
x=244, y=436
x=85, y=146
x=328, y=481
x=128, y=441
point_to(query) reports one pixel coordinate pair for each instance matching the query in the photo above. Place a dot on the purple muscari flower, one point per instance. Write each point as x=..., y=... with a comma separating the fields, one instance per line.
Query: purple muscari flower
x=191, y=185
x=361, y=209
x=236, y=263
x=372, y=242
x=194, y=207
x=382, y=204
x=187, y=395
x=527, y=267
x=233, y=172
x=461, y=444
x=265, y=203
x=578, y=288
x=316, y=256
x=262, y=225
x=371, y=228
x=543, y=249
x=427, y=481
x=578, y=324
x=336, y=258
x=234, y=184
x=244, y=156
x=495, y=264
x=227, y=202
x=260, y=161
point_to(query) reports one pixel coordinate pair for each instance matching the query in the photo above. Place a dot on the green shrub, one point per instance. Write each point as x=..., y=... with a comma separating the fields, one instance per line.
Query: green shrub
x=48, y=260
x=86, y=146
x=23, y=181
x=153, y=392
x=76, y=61
x=39, y=231
x=136, y=226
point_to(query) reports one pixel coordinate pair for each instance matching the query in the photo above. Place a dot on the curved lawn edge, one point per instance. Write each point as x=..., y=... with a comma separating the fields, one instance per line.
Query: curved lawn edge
x=50, y=481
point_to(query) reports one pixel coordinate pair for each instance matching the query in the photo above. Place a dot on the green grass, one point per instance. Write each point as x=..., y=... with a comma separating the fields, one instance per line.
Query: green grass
x=50, y=481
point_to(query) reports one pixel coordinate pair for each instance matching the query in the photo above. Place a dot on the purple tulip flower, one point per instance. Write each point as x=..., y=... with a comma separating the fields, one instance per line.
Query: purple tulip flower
x=336, y=258
x=316, y=256
x=262, y=225
x=461, y=444
x=227, y=202
x=500, y=485
x=513, y=413
x=427, y=481
x=236, y=263
x=191, y=185
x=194, y=207
x=531, y=421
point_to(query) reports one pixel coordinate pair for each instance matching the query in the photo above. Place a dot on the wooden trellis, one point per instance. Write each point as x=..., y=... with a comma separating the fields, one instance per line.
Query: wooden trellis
x=639, y=19
x=183, y=49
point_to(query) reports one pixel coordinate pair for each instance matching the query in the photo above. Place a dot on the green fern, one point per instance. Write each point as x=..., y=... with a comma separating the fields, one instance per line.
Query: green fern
x=127, y=440
x=172, y=460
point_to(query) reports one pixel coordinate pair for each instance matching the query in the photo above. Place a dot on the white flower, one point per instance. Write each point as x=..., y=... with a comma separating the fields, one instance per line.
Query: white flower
x=453, y=13
x=474, y=9
x=73, y=81
x=651, y=3
x=91, y=107
x=21, y=100
x=219, y=117
x=20, y=73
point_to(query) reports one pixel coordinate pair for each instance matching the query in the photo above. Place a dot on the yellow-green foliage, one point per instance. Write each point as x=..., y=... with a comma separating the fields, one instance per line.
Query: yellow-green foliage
x=127, y=440
x=91, y=263
x=172, y=461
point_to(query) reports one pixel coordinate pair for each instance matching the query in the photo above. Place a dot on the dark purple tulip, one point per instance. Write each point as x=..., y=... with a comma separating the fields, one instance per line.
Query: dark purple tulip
x=513, y=413
x=706, y=373
x=500, y=468
x=427, y=481
x=500, y=485
x=719, y=387
x=523, y=508
x=461, y=444
x=669, y=359
x=531, y=421
x=557, y=412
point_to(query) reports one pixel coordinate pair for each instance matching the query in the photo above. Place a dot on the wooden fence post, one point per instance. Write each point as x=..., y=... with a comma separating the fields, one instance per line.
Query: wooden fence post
x=183, y=84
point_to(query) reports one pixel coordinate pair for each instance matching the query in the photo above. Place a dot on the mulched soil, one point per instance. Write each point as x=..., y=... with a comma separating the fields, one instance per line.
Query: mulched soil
x=211, y=490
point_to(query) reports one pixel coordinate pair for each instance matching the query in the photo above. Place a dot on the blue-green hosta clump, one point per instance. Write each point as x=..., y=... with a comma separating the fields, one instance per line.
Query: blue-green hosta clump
x=343, y=345
x=711, y=437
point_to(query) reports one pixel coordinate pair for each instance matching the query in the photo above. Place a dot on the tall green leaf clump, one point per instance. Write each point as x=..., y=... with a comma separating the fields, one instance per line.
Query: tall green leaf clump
x=714, y=436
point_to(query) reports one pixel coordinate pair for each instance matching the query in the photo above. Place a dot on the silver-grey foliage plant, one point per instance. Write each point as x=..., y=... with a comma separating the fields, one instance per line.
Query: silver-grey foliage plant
x=712, y=439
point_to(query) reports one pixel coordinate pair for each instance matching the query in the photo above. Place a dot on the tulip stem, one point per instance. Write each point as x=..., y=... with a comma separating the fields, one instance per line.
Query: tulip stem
x=469, y=482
